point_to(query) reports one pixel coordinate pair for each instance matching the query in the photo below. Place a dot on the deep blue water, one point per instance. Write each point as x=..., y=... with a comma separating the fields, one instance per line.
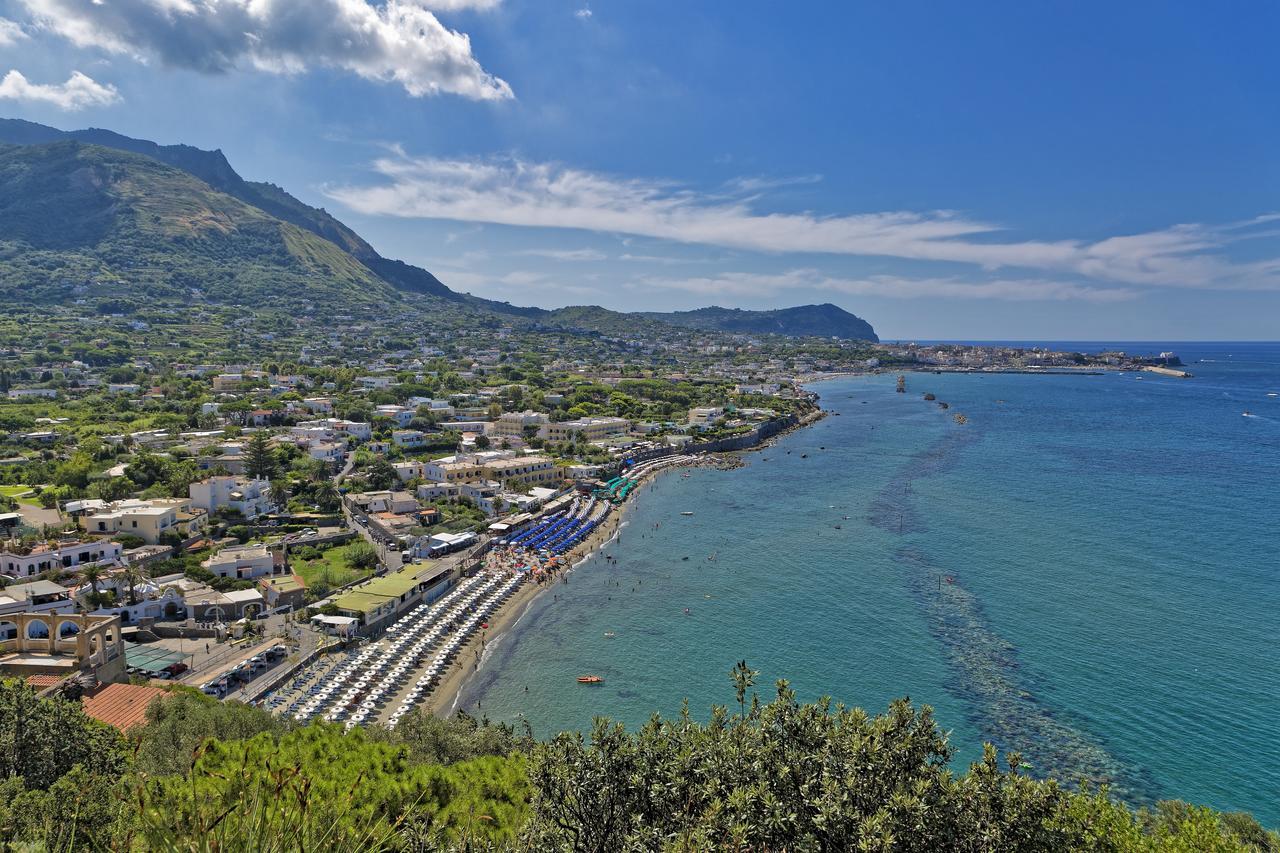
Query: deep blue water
x=1086, y=571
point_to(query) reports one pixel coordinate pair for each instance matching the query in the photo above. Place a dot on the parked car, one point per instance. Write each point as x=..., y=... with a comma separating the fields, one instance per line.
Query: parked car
x=278, y=651
x=176, y=669
x=212, y=689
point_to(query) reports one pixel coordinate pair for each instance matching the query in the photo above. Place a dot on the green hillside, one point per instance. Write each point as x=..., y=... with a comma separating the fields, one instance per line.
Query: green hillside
x=84, y=221
x=817, y=321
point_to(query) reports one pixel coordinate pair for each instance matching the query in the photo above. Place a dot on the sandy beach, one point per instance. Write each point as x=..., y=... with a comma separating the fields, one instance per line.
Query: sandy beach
x=470, y=658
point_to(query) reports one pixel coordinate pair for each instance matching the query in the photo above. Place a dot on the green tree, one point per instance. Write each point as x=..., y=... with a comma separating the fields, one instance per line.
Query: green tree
x=259, y=462
x=178, y=724
x=381, y=475
x=319, y=789
x=361, y=556
x=42, y=739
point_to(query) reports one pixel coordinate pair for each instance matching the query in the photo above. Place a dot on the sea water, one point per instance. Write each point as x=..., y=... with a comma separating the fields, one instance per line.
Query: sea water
x=1087, y=571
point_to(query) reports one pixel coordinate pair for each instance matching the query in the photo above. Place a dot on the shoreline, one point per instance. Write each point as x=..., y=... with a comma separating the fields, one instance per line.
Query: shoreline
x=473, y=656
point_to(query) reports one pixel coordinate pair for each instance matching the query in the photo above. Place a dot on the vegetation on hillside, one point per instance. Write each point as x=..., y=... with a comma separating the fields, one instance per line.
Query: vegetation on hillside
x=204, y=775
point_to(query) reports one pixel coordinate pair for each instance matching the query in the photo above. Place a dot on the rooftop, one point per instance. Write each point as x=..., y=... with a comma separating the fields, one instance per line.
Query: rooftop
x=121, y=705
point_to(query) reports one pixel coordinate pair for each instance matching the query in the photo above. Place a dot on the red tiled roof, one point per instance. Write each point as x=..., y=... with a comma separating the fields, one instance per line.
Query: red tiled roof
x=121, y=705
x=40, y=682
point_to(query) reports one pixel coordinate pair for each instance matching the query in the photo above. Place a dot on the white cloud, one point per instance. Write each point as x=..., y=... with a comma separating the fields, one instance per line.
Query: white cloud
x=10, y=32
x=399, y=41
x=583, y=14
x=755, y=285
x=567, y=254
x=544, y=195
x=78, y=92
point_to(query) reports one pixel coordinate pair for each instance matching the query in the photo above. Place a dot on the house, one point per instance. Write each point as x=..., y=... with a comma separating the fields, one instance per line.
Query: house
x=205, y=604
x=329, y=452
x=122, y=706
x=283, y=591
x=513, y=424
x=500, y=465
x=358, y=431
x=247, y=496
x=244, y=562
x=393, y=502
x=439, y=491
x=591, y=429
x=409, y=470
x=409, y=438
x=34, y=597
x=400, y=414
x=148, y=520
x=28, y=393
x=705, y=417
x=19, y=562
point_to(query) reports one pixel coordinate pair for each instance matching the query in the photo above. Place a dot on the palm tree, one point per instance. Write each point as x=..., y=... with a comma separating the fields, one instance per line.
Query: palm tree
x=326, y=495
x=92, y=574
x=133, y=576
x=280, y=493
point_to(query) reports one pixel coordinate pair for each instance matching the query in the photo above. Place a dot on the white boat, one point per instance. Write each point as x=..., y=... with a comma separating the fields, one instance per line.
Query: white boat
x=686, y=513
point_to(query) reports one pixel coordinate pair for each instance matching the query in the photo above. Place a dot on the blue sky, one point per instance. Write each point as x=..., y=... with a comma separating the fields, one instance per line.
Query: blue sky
x=992, y=170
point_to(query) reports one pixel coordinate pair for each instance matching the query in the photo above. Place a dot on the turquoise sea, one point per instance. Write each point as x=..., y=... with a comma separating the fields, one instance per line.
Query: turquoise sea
x=1087, y=571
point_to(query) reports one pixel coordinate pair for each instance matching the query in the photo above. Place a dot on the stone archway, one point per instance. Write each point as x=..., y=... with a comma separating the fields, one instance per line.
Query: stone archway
x=37, y=629
x=8, y=631
x=67, y=628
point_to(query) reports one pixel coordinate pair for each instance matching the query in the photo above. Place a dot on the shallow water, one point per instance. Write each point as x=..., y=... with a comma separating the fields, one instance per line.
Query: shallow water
x=1086, y=572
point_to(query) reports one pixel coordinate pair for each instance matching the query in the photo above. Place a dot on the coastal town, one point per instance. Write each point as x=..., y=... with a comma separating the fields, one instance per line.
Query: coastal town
x=336, y=535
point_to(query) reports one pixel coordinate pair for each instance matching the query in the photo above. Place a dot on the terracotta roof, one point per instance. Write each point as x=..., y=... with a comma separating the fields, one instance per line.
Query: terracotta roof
x=40, y=682
x=121, y=705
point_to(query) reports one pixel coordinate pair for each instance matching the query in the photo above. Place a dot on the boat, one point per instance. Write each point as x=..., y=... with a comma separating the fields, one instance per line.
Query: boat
x=686, y=512
x=1248, y=414
x=1272, y=394
x=590, y=679
x=609, y=635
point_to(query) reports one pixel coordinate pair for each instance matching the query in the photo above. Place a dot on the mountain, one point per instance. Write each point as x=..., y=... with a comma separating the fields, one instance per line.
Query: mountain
x=212, y=168
x=84, y=220
x=819, y=321
x=92, y=208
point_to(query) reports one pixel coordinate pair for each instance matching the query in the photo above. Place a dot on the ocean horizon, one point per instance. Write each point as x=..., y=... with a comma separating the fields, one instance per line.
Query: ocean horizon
x=1084, y=571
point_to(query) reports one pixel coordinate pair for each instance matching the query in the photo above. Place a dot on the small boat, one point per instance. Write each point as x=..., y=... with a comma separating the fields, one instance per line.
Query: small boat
x=609, y=635
x=590, y=679
x=837, y=527
x=686, y=513
x=1272, y=394
x=1248, y=414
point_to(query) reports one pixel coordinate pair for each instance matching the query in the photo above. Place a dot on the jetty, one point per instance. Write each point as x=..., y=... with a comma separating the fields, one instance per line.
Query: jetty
x=1167, y=371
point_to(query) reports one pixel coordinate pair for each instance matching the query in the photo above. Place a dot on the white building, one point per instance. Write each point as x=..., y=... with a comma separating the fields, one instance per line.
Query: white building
x=592, y=429
x=249, y=497
x=362, y=432
x=512, y=424
x=242, y=562
x=409, y=438
x=72, y=554
x=400, y=414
